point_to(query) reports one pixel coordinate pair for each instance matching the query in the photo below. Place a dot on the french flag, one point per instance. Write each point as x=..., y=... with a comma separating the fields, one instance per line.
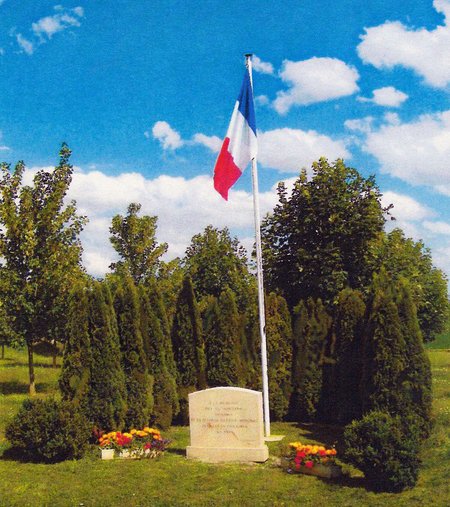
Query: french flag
x=239, y=146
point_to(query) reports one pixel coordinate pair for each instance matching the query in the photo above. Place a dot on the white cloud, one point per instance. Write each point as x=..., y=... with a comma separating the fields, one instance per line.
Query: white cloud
x=64, y=18
x=417, y=152
x=214, y=143
x=363, y=125
x=387, y=96
x=406, y=208
x=44, y=29
x=184, y=207
x=437, y=227
x=290, y=150
x=259, y=66
x=315, y=80
x=25, y=44
x=426, y=52
x=262, y=100
x=286, y=149
x=169, y=138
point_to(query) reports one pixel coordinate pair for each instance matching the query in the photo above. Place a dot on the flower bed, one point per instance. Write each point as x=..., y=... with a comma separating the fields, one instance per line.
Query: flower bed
x=312, y=460
x=145, y=443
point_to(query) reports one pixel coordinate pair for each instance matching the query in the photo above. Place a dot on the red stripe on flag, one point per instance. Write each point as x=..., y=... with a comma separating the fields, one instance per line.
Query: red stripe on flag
x=226, y=171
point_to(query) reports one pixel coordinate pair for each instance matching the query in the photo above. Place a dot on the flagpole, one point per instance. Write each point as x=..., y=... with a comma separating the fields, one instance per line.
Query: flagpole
x=259, y=269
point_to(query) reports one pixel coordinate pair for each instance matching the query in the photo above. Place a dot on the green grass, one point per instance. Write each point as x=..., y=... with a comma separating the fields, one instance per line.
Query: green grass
x=442, y=341
x=172, y=480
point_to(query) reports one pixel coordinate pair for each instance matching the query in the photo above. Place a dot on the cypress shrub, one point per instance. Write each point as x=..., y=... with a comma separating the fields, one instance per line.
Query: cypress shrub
x=279, y=354
x=75, y=372
x=386, y=449
x=416, y=382
x=223, y=341
x=164, y=387
x=310, y=329
x=49, y=430
x=348, y=329
x=107, y=395
x=384, y=353
x=138, y=382
x=188, y=347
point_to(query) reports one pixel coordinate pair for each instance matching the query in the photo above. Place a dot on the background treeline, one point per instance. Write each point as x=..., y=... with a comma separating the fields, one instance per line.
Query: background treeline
x=348, y=305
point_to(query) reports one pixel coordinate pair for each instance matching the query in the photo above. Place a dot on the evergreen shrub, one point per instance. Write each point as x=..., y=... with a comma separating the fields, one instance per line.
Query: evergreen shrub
x=386, y=449
x=49, y=431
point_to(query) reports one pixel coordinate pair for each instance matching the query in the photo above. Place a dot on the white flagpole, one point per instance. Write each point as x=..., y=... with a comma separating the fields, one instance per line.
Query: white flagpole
x=259, y=267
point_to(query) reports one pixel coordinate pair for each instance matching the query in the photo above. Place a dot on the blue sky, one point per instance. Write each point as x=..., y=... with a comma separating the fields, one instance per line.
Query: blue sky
x=143, y=92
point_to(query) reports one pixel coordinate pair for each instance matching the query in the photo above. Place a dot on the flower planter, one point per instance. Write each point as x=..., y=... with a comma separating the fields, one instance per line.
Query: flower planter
x=107, y=453
x=326, y=471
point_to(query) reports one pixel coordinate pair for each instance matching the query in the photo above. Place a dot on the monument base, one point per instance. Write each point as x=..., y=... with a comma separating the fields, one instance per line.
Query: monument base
x=228, y=454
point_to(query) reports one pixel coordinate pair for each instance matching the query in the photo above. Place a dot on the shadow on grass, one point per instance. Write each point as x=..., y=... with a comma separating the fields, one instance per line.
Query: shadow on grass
x=25, y=364
x=327, y=434
x=15, y=387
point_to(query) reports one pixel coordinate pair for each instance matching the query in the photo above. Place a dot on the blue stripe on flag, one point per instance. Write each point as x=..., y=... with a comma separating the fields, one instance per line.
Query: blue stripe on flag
x=245, y=99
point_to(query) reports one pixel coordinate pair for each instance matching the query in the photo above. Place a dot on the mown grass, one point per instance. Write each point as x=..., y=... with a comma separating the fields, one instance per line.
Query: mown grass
x=173, y=480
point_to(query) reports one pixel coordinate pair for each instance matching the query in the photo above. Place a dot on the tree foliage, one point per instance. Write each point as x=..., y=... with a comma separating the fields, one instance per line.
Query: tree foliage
x=310, y=330
x=138, y=382
x=134, y=239
x=316, y=242
x=216, y=261
x=404, y=258
x=107, y=393
x=279, y=354
x=188, y=347
x=40, y=250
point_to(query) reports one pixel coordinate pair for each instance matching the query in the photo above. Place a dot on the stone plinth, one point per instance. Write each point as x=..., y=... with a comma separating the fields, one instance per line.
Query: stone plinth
x=226, y=424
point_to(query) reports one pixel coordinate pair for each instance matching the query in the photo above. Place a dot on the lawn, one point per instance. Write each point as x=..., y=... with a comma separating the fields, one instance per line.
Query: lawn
x=172, y=480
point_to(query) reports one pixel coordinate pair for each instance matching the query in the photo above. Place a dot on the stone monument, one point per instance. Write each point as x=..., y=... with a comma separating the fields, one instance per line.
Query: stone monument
x=226, y=424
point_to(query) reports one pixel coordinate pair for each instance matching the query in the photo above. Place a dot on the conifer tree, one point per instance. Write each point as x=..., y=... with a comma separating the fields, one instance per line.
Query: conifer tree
x=75, y=372
x=416, y=377
x=348, y=331
x=384, y=352
x=156, y=301
x=188, y=347
x=164, y=387
x=279, y=351
x=138, y=382
x=224, y=342
x=107, y=394
x=311, y=326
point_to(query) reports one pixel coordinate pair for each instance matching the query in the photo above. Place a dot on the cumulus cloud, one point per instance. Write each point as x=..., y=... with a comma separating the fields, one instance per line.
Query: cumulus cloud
x=387, y=96
x=424, y=51
x=26, y=45
x=214, y=143
x=363, y=125
x=315, y=80
x=169, y=138
x=408, y=212
x=437, y=227
x=290, y=150
x=49, y=25
x=44, y=29
x=184, y=207
x=417, y=152
x=262, y=67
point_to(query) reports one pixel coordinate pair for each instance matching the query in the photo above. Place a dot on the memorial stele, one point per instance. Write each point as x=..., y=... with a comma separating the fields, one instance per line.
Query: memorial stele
x=226, y=424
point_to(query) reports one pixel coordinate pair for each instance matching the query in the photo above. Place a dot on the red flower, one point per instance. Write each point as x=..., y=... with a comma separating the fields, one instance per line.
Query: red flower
x=309, y=464
x=301, y=454
x=322, y=453
x=148, y=445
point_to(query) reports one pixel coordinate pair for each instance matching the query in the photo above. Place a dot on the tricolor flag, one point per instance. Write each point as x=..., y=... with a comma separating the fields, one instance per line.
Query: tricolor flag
x=239, y=146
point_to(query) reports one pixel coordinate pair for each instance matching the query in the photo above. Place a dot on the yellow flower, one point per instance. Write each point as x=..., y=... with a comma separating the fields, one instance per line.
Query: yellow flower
x=128, y=435
x=133, y=431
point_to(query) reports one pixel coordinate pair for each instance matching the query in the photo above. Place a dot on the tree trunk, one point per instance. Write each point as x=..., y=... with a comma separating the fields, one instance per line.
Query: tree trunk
x=55, y=351
x=32, y=386
x=3, y=351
